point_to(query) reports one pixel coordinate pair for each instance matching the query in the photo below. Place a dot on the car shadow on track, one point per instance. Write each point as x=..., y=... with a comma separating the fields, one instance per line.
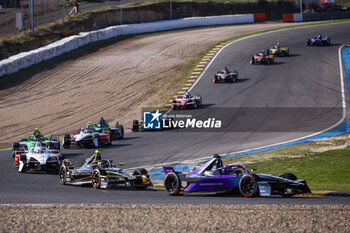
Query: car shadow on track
x=68, y=155
x=240, y=80
x=291, y=55
x=118, y=145
x=278, y=63
x=237, y=194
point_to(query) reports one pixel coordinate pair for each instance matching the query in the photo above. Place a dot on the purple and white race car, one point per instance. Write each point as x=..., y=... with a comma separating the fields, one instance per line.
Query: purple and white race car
x=213, y=176
x=225, y=76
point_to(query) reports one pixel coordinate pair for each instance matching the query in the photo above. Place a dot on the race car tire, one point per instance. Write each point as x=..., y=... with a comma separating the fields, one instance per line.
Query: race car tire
x=61, y=157
x=15, y=146
x=248, y=186
x=96, y=178
x=56, y=143
x=140, y=172
x=66, y=141
x=135, y=126
x=121, y=127
x=172, y=184
x=289, y=176
x=252, y=61
x=215, y=80
x=308, y=43
x=62, y=175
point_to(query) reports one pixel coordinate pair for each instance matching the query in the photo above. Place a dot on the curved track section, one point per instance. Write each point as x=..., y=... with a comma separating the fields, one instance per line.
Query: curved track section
x=309, y=78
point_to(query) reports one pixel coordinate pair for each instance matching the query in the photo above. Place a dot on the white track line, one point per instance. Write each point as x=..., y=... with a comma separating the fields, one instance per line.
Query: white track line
x=280, y=143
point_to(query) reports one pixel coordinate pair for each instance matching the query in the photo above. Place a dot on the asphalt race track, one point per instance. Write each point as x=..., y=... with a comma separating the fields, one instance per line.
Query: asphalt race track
x=308, y=79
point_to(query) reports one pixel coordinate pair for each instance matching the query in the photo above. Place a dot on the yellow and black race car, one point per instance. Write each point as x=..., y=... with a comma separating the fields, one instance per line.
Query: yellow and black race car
x=102, y=174
x=278, y=51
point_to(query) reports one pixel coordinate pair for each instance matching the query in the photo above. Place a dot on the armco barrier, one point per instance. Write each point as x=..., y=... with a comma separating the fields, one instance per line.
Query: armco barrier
x=26, y=59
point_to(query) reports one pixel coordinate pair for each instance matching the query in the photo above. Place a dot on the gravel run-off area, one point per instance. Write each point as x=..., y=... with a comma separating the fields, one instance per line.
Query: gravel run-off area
x=174, y=218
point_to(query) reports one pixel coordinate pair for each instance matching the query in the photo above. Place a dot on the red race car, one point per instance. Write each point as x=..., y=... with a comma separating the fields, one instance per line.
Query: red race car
x=88, y=137
x=187, y=101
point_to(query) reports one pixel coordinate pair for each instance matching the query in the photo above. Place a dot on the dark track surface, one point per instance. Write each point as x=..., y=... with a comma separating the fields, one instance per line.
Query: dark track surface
x=308, y=78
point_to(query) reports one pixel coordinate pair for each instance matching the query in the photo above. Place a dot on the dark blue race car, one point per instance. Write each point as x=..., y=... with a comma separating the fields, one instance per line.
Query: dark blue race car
x=213, y=176
x=319, y=41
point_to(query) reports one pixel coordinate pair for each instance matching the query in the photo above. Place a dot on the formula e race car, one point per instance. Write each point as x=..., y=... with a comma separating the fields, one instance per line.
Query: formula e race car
x=186, y=101
x=116, y=132
x=262, y=58
x=88, y=138
x=225, y=76
x=276, y=50
x=319, y=41
x=29, y=142
x=38, y=157
x=102, y=174
x=213, y=176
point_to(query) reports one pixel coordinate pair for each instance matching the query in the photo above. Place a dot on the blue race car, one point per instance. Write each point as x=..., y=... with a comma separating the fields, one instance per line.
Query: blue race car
x=319, y=41
x=213, y=176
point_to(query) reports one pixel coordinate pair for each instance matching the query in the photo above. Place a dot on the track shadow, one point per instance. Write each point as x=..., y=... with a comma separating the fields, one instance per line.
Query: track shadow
x=276, y=63
x=126, y=139
x=291, y=55
x=240, y=80
x=70, y=155
x=118, y=145
x=37, y=172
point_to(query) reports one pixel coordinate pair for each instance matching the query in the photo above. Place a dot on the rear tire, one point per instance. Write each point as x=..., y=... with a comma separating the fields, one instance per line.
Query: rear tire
x=66, y=141
x=135, y=126
x=96, y=178
x=56, y=143
x=121, y=130
x=172, y=184
x=248, y=186
x=62, y=175
x=15, y=146
x=289, y=176
x=140, y=172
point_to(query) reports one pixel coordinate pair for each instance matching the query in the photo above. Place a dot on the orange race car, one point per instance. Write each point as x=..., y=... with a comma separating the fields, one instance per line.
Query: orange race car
x=262, y=58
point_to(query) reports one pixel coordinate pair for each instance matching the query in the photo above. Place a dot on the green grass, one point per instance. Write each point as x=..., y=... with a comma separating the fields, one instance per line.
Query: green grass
x=329, y=170
x=5, y=146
